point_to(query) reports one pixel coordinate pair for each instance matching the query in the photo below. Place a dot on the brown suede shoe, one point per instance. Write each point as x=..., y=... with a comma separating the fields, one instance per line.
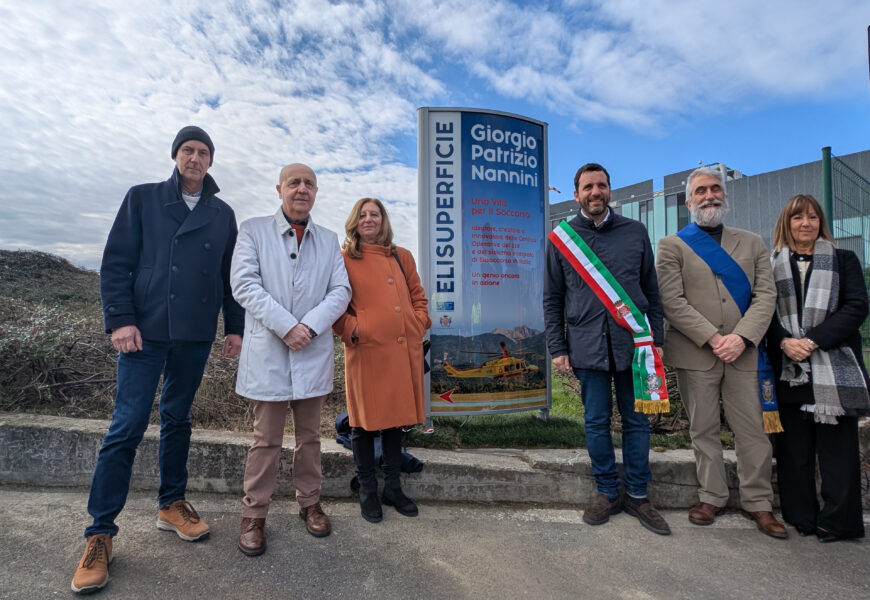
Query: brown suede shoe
x=316, y=520
x=92, y=573
x=646, y=513
x=252, y=539
x=704, y=514
x=767, y=523
x=599, y=510
x=183, y=519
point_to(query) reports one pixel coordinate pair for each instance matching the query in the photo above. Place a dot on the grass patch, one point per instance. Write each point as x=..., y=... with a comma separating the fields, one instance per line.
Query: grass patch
x=513, y=430
x=564, y=429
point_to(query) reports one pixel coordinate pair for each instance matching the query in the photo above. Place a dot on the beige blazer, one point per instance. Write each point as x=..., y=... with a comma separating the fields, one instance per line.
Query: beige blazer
x=697, y=305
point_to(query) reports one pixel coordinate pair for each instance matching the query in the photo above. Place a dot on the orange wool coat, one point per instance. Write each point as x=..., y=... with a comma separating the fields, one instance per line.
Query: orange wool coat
x=384, y=368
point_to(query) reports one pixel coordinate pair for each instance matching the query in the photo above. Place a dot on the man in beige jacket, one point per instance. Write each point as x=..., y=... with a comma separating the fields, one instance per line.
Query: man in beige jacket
x=713, y=346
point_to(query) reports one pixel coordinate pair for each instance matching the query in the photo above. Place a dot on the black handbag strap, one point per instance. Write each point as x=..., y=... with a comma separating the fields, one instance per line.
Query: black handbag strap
x=405, y=275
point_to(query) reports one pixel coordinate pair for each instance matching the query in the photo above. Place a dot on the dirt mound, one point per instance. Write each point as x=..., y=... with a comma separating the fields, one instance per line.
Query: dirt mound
x=42, y=277
x=55, y=357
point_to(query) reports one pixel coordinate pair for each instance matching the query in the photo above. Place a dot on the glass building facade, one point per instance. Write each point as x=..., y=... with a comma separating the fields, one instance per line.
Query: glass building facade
x=755, y=201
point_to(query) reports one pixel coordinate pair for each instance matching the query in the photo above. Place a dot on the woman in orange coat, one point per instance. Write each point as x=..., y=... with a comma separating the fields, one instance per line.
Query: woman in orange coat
x=382, y=332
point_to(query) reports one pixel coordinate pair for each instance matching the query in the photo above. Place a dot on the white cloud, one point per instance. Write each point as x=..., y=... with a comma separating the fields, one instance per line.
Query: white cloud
x=636, y=63
x=93, y=92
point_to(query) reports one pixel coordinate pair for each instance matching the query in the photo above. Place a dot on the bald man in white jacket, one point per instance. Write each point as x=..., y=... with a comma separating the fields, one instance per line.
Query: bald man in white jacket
x=289, y=276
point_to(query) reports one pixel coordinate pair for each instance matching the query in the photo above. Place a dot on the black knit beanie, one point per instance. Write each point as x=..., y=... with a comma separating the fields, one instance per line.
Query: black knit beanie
x=192, y=132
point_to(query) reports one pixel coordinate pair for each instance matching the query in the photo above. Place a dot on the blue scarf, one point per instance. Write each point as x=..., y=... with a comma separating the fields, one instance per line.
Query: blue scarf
x=738, y=285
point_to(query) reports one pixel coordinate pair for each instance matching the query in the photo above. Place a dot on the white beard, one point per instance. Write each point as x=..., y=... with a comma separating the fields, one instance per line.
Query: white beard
x=711, y=216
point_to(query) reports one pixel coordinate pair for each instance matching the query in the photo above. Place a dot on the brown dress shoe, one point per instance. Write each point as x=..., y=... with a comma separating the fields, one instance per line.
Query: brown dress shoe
x=316, y=520
x=767, y=523
x=704, y=514
x=252, y=539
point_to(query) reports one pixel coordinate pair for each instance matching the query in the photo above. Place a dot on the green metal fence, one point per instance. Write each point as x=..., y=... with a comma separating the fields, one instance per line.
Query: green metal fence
x=851, y=209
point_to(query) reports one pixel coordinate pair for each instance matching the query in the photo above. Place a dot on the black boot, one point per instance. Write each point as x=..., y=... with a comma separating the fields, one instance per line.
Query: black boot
x=363, y=443
x=391, y=443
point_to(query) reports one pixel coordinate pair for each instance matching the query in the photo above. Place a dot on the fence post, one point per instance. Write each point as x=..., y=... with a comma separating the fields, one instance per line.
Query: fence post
x=827, y=187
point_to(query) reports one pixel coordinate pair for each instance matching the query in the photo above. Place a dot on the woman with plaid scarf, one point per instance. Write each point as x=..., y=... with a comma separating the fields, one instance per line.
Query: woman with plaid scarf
x=815, y=348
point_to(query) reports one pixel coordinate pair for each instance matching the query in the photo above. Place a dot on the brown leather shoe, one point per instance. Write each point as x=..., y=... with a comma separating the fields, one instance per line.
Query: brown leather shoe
x=316, y=520
x=767, y=523
x=252, y=539
x=704, y=514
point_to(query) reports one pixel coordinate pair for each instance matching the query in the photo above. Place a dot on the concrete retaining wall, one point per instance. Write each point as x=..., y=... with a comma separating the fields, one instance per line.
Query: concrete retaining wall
x=57, y=451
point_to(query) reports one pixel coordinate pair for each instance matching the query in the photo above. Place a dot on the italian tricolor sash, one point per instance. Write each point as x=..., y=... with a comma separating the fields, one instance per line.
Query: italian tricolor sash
x=650, y=389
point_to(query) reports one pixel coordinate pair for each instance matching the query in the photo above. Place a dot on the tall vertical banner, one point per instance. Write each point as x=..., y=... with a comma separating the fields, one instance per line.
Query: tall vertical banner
x=483, y=214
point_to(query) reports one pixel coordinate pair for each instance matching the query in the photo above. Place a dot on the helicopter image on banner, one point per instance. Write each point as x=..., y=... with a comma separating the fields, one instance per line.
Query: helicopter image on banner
x=504, y=366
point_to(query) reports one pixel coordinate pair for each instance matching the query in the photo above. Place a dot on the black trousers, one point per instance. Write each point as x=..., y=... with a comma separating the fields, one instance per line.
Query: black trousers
x=836, y=447
x=363, y=444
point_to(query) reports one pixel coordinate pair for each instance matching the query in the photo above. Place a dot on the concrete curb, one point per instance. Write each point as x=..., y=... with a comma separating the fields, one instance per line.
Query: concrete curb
x=58, y=451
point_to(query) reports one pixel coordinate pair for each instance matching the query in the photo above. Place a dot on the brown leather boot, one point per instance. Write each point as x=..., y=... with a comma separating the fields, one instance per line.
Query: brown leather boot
x=183, y=519
x=92, y=573
x=252, y=539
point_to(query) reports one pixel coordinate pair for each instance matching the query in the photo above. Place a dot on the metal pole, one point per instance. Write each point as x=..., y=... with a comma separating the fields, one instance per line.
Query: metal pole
x=827, y=187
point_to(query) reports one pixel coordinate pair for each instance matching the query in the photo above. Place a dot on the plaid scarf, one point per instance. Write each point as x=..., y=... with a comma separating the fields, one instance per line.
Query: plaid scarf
x=838, y=385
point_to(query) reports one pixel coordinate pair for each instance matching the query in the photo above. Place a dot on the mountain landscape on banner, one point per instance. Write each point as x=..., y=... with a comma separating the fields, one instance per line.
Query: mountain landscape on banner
x=473, y=351
x=518, y=333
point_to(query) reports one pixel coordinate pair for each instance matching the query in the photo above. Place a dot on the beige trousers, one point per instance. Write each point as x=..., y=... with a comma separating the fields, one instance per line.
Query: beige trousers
x=261, y=468
x=700, y=392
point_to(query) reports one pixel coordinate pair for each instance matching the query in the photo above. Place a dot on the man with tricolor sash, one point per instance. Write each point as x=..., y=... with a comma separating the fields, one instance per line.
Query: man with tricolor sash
x=718, y=295
x=604, y=322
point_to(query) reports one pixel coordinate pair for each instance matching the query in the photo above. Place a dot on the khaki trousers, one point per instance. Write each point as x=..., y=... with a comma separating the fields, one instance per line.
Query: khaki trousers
x=261, y=468
x=700, y=392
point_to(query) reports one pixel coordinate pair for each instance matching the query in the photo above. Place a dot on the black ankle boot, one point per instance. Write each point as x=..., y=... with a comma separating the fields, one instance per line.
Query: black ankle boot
x=363, y=444
x=369, y=505
x=391, y=443
x=397, y=498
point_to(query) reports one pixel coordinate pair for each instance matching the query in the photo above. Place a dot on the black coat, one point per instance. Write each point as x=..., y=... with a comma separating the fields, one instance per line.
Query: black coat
x=576, y=321
x=840, y=328
x=166, y=268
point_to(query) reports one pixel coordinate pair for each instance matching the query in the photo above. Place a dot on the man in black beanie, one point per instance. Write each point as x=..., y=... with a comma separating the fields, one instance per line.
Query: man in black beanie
x=164, y=278
x=192, y=132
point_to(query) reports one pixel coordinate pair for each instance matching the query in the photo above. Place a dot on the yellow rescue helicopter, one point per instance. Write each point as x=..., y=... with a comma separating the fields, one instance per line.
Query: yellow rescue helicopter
x=503, y=366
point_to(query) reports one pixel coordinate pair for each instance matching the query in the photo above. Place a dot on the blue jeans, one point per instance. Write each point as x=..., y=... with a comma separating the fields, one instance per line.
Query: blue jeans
x=595, y=392
x=182, y=365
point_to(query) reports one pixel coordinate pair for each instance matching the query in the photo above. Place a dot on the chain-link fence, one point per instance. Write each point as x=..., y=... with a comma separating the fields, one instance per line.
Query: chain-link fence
x=851, y=223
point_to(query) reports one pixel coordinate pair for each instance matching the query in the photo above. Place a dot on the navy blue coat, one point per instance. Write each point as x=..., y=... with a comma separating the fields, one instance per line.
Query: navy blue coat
x=576, y=321
x=166, y=268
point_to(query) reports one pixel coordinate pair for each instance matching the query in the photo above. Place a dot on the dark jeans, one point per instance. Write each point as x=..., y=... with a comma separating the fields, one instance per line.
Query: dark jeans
x=182, y=365
x=595, y=392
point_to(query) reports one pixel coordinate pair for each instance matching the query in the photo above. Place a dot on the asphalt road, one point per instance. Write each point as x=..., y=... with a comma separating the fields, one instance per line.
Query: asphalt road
x=449, y=551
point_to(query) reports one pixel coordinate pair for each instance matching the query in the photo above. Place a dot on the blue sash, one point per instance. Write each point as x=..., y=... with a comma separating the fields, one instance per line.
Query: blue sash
x=737, y=284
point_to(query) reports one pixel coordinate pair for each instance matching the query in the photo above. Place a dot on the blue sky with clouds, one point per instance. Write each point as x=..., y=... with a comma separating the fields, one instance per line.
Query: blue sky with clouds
x=93, y=92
